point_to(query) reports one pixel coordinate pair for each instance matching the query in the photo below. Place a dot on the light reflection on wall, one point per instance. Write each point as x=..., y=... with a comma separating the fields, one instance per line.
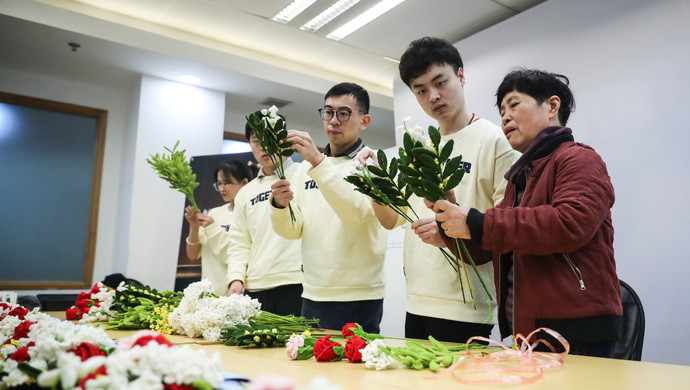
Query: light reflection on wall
x=230, y=146
x=8, y=122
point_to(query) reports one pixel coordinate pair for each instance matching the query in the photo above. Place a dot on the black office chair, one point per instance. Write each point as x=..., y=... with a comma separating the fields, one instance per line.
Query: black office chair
x=629, y=347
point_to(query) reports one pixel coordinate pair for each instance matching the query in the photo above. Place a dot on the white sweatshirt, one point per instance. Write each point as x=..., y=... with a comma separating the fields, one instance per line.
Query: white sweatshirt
x=257, y=256
x=214, y=248
x=433, y=287
x=343, y=244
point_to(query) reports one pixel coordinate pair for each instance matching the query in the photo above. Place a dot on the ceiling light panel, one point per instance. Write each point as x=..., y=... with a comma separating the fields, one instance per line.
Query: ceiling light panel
x=364, y=18
x=329, y=14
x=291, y=10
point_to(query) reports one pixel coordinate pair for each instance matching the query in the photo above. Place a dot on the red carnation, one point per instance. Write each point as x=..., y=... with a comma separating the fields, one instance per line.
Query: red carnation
x=73, y=314
x=4, y=306
x=347, y=332
x=22, y=354
x=352, y=349
x=159, y=338
x=83, y=304
x=95, y=289
x=22, y=330
x=86, y=350
x=175, y=386
x=18, y=312
x=323, y=349
x=99, y=371
x=83, y=295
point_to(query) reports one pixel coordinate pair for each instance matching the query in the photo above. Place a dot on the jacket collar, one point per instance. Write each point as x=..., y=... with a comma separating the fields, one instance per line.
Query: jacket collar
x=550, y=139
x=351, y=152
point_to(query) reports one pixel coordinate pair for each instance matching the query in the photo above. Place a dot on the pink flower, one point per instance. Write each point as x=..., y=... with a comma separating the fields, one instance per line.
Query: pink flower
x=293, y=345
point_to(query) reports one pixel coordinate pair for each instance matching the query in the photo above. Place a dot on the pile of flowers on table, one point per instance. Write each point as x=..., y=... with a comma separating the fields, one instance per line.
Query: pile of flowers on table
x=40, y=351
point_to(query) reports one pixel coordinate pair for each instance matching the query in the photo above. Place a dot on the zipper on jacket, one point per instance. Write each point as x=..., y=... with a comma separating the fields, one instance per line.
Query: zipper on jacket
x=576, y=271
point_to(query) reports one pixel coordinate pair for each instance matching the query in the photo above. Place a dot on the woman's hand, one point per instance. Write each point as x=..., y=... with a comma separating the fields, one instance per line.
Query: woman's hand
x=191, y=216
x=204, y=220
x=453, y=219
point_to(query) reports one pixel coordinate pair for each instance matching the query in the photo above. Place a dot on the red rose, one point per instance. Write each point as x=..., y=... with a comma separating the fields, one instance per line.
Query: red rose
x=22, y=330
x=73, y=314
x=159, y=338
x=4, y=306
x=352, y=349
x=99, y=371
x=87, y=350
x=22, y=354
x=175, y=386
x=323, y=349
x=18, y=312
x=83, y=303
x=82, y=295
x=95, y=289
x=347, y=332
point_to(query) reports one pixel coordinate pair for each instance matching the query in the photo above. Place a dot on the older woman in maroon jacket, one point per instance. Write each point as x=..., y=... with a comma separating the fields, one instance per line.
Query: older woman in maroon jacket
x=552, y=232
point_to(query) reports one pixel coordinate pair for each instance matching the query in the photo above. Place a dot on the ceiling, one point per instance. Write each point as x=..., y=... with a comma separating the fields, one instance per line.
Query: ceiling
x=235, y=47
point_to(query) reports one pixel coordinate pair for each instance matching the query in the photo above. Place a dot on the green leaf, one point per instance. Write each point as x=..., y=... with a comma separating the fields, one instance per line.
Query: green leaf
x=446, y=151
x=383, y=161
x=408, y=143
x=430, y=175
x=454, y=179
x=393, y=169
x=435, y=136
x=377, y=171
x=430, y=163
x=418, y=151
x=433, y=189
x=287, y=152
x=451, y=166
x=408, y=171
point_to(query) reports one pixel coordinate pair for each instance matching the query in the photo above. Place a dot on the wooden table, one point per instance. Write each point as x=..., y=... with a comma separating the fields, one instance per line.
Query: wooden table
x=578, y=372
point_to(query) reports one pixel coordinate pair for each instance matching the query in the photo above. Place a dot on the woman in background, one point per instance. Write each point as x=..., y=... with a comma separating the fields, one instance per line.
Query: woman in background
x=208, y=233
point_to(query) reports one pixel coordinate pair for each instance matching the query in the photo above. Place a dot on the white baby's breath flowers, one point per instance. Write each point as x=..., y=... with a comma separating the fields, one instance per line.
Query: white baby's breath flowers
x=202, y=314
x=374, y=358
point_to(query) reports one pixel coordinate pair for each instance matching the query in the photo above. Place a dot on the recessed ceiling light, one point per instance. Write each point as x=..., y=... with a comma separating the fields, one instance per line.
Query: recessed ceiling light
x=364, y=18
x=291, y=10
x=329, y=14
x=189, y=79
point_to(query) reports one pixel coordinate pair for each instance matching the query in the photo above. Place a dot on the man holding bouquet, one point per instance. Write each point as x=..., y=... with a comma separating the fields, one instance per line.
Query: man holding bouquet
x=343, y=244
x=433, y=70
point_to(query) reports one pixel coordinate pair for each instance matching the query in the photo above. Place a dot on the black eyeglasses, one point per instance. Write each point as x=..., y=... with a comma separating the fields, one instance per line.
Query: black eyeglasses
x=342, y=114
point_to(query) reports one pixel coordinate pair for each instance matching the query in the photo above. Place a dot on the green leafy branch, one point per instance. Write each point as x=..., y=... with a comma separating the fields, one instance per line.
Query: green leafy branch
x=175, y=169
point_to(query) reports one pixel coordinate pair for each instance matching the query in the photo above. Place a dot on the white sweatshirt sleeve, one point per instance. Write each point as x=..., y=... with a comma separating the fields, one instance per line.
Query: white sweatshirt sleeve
x=349, y=205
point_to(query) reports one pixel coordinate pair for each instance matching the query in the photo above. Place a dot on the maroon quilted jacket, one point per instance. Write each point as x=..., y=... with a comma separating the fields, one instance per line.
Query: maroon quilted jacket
x=561, y=239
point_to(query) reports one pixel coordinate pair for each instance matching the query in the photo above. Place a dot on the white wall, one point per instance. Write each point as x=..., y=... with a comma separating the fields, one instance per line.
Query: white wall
x=168, y=112
x=628, y=63
x=111, y=98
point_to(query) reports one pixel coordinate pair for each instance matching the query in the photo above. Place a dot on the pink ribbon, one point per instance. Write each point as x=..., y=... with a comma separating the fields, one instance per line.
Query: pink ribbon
x=512, y=366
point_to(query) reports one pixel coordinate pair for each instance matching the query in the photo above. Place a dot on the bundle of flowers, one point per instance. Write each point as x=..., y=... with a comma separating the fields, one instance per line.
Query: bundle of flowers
x=95, y=305
x=146, y=360
x=32, y=342
x=203, y=313
x=143, y=307
x=424, y=168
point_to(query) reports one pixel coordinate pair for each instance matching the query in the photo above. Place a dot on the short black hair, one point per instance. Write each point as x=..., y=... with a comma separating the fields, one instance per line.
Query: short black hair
x=248, y=129
x=235, y=169
x=360, y=94
x=424, y=52
x=540, y=85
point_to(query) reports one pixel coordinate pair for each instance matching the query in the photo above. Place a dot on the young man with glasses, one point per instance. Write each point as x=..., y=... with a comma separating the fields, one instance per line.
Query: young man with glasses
x=343, y=244
x=263, y=264
x=208, y=233
x=433, y=70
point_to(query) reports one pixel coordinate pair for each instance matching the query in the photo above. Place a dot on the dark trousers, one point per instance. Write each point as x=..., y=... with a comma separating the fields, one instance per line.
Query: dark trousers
x=421, y=327
x=281, y=300
x=334, y=315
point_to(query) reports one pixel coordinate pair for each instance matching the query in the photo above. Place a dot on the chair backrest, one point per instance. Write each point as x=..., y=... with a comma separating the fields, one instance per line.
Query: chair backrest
x=629, y=347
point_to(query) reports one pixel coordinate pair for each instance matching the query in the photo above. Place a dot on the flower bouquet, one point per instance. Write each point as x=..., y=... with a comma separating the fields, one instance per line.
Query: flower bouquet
x=271, y=133
x=95, y=305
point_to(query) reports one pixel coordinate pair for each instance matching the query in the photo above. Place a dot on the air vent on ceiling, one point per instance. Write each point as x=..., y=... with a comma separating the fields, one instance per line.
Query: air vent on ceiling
x=268, y=102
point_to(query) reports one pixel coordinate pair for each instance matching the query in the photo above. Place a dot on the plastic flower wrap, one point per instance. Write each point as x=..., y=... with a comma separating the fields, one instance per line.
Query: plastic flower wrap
x=201, y=313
